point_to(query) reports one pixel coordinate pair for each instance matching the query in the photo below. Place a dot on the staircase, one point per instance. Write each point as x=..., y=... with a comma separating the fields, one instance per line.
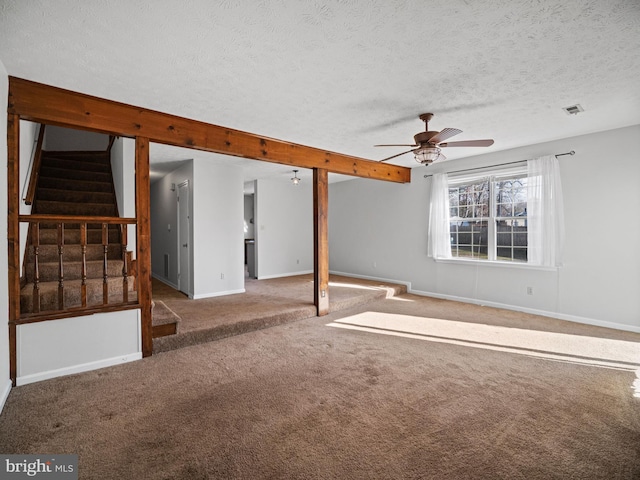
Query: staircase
x=81, y=184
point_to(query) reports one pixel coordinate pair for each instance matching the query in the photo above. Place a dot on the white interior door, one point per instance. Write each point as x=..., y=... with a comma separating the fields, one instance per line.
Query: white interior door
x=184, y=242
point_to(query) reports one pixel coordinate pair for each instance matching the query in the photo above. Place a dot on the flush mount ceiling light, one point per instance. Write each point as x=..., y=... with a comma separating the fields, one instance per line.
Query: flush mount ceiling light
x=295, y=178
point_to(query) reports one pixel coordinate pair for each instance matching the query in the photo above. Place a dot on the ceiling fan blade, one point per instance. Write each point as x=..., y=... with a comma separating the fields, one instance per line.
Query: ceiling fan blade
x=394, y=156
x=396, y=145
x=443, y=135
x=469, y=143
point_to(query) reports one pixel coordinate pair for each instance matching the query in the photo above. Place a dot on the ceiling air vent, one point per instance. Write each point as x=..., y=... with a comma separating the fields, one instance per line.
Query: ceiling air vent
x=573, y=109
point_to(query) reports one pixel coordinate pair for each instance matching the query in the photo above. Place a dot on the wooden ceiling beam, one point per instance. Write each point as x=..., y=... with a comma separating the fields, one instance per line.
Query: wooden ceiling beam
x=51, y=105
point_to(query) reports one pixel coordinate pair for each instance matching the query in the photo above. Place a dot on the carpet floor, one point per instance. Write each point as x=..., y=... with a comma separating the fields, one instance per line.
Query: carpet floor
x=264, y=303
x=404, y=387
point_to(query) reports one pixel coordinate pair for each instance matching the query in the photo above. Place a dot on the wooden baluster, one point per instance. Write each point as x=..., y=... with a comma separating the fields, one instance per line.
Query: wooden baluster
x=83, y=273
x=105, y=273
x=125, y=273
x=60, y=266
x=35, y=235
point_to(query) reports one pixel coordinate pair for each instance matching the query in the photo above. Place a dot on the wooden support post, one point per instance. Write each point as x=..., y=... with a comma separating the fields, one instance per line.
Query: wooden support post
x=321, y=240
x=13, y=236
x=143, y=240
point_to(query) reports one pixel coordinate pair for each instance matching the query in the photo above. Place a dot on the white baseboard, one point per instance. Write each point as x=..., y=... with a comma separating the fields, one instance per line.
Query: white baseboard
x=281, y=275
x=217, y=294
x=369, y=277
x=5, y=394
x=543, y=313
x=533, y=311
x=85, y=367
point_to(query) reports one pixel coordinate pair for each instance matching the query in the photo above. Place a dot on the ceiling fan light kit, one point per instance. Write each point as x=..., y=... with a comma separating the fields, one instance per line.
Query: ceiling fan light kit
x=428, y=143
x=428, y=155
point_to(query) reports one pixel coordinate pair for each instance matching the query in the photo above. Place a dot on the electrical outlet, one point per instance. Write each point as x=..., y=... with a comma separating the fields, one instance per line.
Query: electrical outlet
x=375, y=265
x=222, y=276
x=529, y=290
x=298, y=261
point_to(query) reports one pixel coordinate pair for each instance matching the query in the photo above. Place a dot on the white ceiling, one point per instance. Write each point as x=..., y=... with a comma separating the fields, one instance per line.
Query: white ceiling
x=342, y=75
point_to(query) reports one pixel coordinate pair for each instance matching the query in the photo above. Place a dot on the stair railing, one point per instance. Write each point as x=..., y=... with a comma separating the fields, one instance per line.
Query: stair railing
x=61, y=223
x=34, y=167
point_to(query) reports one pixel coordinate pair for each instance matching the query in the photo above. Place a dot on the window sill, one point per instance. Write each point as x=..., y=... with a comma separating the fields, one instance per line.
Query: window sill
x=489, y=263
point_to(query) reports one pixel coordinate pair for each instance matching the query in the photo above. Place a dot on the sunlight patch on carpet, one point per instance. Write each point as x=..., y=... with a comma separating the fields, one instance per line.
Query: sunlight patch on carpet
x=597, y=351
x=636, y=385
x=390, y=291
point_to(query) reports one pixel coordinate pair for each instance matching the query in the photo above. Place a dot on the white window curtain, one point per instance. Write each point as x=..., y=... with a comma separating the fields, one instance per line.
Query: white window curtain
x=439, y=236
x=545, y=212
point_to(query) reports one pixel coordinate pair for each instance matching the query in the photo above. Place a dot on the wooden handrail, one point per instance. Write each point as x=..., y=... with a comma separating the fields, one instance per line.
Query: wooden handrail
x=112, y=138
x=35, y=168
x=48, y=218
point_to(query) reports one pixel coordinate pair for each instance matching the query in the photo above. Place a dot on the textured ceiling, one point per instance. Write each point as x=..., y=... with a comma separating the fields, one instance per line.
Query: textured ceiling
x=342, y=75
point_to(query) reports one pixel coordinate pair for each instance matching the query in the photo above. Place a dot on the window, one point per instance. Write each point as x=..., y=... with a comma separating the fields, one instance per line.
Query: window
x=488, y=218
x=512, y=215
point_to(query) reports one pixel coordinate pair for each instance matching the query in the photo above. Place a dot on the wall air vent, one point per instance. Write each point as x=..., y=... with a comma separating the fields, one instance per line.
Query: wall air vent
x=574, y=109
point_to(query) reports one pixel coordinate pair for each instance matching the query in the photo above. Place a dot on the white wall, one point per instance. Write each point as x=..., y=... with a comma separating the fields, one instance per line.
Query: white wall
x=57, y=139
x=378, y=229
x=77, y=344
x=28, y=141
x=123, y=169
x=283, y=228
x=5, y=382
x=164, y=214
x=249, y=231
x=218, y=229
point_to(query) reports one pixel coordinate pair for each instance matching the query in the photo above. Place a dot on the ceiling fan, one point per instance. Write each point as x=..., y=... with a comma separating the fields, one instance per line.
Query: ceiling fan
x=428, y=143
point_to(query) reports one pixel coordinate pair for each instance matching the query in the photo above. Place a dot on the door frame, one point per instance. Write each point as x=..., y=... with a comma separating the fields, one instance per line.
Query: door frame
x=184, y=279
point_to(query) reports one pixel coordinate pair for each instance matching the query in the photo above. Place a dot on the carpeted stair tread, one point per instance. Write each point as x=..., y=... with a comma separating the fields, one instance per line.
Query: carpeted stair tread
x=48, y=271
x=52, y=172
x=225, y=330
x=162, y=314
x=164, y=321
x=74, y=184
x=59, y=195
x=102, y=166
x=70, y=208
x=73, y=253
x=72, y=293
x=265, y=303
x=98, y=156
